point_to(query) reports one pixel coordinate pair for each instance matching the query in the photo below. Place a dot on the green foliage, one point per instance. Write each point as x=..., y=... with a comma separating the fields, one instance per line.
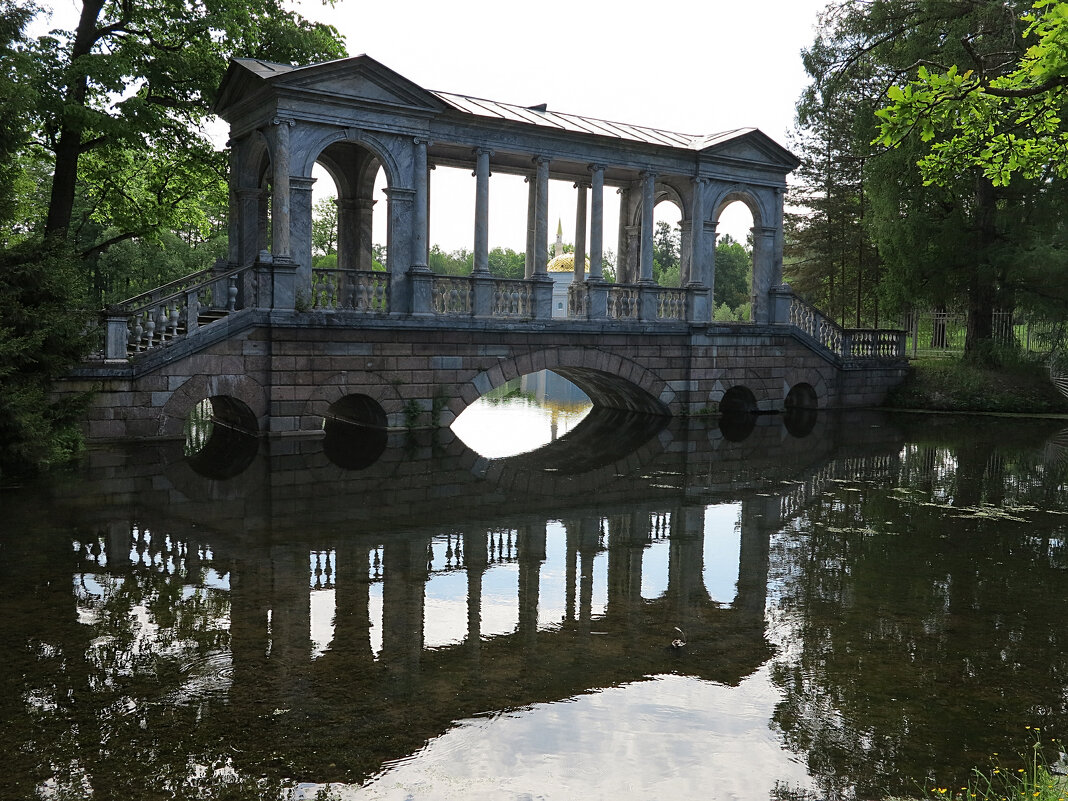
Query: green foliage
x=1004, y=122
x=1003, y=383
x=734, y=274
x=503, y=262
x=119, y=106
x=506, y=263
x=324, y=227
x=41, y=335
x=666, y=254
x=878, y=236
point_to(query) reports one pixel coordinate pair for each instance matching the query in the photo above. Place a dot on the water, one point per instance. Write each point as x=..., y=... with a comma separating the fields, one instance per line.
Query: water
x=869, y=603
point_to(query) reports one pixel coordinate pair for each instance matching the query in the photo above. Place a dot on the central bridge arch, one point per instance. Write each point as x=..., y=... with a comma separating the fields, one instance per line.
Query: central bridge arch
x=611, y=381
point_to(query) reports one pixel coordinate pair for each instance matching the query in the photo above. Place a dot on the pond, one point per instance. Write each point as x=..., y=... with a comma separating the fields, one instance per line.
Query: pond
x=831, y=606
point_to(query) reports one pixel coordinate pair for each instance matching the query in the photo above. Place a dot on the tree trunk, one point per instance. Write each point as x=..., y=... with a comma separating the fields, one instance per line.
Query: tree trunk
x=69, y=144
x=981, y=288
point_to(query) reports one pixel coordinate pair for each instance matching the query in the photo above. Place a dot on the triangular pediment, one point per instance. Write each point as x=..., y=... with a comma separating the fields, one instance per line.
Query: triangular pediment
x=749, y=144
x=359, y=78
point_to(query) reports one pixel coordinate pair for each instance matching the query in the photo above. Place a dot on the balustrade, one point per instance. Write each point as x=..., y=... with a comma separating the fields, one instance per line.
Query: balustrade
x=154, y=318
x=847, y=343
x=623, y=302
x=671, y=304
x=350, y=290
x=451, y=295
x=512, y=299
x=578, y=301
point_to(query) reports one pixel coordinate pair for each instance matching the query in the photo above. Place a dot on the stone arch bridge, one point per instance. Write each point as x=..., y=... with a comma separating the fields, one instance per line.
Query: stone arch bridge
x=281, y=346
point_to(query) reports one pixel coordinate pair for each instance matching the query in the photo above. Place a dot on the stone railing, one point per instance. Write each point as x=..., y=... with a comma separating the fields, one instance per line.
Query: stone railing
x=854, y=344
x=811, y=321
x=624, y=302
x=512, y=298
x=578, y=300
x=174, y=310
x=350, y=290
x=671, y=304
x=874, y=343
x=451, y=295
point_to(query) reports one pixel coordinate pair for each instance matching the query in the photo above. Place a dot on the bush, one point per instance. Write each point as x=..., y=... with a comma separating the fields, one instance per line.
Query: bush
x=44, y=330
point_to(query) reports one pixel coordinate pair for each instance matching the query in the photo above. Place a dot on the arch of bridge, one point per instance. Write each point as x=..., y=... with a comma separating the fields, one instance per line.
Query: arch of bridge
x=201, y=386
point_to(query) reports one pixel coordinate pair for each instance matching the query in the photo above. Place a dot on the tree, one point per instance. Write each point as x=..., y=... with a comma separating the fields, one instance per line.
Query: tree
x=136, y=80
x=102, y=144
x=1003, y=122
x=959, y=244
x=666, y=249
x=734, y=274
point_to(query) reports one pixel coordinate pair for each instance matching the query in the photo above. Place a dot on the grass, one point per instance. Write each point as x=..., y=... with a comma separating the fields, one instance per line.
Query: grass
x=1009, y=382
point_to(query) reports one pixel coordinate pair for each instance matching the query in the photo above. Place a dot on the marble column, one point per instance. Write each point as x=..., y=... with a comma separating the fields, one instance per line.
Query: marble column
x=247, y=246
x=482, y=176
x=365, y=215
x=348, y=233
x=580, y=232
x=541, y=221
x=421, y=207
x=648, y=199
x=532, y=226
x=596, y=221
x=280, y=187
x=709, y=230
x=697, y=234
x=763, y=272
x=629, y=270
x=300, y=227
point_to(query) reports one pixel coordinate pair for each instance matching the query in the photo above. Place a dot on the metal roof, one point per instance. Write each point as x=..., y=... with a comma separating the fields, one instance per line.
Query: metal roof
x=532, y=115
x=573, y=123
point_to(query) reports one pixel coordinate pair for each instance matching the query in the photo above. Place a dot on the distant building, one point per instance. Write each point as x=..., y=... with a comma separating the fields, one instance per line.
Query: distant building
x=562, y=270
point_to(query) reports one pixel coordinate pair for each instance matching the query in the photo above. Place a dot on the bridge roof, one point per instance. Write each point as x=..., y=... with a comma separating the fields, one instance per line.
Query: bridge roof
x=394, y=89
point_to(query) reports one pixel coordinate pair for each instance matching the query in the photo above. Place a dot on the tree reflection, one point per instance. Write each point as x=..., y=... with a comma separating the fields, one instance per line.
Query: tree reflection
x=925, y=615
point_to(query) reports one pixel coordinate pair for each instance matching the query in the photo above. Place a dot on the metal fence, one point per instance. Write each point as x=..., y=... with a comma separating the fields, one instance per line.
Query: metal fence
x=937, y=333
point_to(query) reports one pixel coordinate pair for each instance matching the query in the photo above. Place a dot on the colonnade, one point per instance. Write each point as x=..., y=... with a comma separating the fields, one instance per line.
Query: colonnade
x=381, y=120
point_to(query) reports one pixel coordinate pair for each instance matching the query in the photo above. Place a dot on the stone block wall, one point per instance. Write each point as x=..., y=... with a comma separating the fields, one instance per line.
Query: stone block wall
x=287, y=371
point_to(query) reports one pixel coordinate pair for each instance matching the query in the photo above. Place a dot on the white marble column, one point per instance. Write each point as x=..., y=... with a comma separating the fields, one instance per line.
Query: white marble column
x=541, y=223
x=482, y=176
x=648, y=199
x=597, y=221
x=421, y=210
x=280, y=189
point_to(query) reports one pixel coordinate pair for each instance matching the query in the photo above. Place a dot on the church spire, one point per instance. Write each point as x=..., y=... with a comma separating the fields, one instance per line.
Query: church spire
x=558, y=249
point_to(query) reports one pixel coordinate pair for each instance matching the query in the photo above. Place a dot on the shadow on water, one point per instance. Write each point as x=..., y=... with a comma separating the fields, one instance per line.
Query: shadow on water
x=602, y=437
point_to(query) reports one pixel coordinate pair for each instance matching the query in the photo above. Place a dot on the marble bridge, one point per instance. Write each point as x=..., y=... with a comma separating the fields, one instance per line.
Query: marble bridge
x=280, y=346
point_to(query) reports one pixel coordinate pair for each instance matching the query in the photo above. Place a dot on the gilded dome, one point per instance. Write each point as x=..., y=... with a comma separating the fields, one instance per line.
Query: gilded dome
x=564, y=263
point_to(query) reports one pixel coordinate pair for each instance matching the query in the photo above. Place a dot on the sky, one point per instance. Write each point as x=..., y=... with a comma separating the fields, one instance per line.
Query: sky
x=692, y=66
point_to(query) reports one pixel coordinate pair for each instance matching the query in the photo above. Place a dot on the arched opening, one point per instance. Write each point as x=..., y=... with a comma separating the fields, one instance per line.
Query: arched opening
x=800, y=410
x=738, y=409
x=734, y=263
x=220, y=437
x=669, y=250
x=801, y=396
x=738, y=400
x=355, y=429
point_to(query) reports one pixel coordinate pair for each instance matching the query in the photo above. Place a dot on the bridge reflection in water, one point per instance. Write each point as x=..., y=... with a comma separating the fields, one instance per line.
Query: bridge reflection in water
x=328, y=622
